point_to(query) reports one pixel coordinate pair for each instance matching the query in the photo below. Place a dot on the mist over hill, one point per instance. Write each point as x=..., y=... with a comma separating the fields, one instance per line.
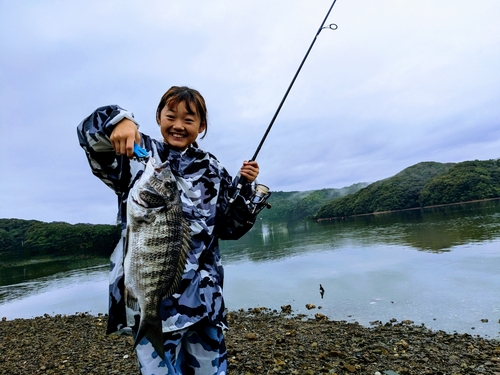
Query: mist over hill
x=298, y=205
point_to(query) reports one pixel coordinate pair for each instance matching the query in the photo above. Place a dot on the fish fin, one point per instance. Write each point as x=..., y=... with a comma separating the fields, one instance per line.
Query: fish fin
x=152, y=330
x=131, y=301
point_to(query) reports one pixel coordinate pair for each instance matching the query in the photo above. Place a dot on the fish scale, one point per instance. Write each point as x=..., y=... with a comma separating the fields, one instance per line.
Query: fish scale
x=157, y=243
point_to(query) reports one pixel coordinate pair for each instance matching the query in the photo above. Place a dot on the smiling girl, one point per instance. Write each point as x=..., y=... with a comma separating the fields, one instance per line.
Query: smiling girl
x=194, y=317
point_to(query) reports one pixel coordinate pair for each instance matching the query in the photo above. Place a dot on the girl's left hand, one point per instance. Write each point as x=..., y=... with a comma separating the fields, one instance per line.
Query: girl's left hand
x=250, y=170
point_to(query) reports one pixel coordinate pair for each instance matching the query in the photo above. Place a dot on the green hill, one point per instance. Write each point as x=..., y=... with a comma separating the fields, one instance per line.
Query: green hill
x=424, y=184
x=27, y=238
x=463, y=182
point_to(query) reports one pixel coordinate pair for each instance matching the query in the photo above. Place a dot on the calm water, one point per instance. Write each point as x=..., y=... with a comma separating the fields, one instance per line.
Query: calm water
x=439, y=267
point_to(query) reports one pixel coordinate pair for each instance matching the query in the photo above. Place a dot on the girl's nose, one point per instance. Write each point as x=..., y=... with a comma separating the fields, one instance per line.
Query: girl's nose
x=178, y=125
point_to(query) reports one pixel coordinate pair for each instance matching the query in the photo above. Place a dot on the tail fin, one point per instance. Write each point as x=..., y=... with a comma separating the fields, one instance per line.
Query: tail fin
x=151, y=329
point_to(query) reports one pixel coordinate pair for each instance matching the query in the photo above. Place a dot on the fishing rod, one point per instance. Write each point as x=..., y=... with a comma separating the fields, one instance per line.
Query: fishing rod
x=240, y=180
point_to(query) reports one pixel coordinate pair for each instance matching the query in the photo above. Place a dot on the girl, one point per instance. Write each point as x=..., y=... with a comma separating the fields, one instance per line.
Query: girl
x=194, y=317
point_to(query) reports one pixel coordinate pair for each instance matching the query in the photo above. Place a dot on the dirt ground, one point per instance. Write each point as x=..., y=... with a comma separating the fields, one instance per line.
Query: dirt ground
x=260, y=341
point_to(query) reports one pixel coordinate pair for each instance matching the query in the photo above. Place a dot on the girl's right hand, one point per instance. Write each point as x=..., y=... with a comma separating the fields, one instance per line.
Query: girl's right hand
x=123, y=137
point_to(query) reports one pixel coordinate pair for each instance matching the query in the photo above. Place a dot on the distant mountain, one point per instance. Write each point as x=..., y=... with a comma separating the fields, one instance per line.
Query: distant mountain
x=423, y=184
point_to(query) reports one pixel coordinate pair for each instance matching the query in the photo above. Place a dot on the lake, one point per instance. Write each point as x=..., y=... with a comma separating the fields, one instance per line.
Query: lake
x=438, y=267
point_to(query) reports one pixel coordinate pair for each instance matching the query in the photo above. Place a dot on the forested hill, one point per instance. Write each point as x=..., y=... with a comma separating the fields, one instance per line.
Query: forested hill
x=423, y=184
x=27, y=238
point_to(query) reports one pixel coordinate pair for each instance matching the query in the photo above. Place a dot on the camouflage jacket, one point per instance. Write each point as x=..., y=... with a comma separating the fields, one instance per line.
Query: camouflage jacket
x=205, y=188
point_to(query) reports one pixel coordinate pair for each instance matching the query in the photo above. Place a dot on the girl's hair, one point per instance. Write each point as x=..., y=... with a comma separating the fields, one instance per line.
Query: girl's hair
x=190, y=97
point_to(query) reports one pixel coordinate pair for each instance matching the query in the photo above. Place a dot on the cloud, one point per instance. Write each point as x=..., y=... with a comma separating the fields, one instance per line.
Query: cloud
x=397, y=83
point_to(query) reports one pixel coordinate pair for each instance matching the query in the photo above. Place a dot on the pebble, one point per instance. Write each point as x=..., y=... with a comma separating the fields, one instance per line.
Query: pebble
x=259, y=341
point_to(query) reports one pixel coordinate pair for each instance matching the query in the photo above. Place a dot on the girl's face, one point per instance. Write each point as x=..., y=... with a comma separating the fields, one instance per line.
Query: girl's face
x=179, y=126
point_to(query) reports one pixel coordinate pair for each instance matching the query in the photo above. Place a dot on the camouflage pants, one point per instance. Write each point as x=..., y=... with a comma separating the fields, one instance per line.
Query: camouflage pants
x=197, y=350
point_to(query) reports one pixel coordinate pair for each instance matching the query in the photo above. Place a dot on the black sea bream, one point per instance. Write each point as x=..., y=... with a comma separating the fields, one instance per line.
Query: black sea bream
x=157, y=243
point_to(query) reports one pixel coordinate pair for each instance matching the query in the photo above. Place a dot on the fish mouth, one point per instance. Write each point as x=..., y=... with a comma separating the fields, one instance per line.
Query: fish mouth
x=139, y=203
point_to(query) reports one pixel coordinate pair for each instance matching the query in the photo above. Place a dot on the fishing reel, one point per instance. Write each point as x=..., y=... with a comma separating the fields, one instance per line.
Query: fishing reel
x=259, y=198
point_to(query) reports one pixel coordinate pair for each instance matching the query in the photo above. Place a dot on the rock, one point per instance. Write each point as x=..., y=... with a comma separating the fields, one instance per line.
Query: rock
x=319, y=316
x=403, y=343
x=286, y=309
x=350, y=368
x=251, y=336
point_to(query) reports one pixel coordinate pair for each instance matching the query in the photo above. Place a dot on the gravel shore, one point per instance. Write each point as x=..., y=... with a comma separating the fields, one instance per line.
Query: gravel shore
x=260, y=341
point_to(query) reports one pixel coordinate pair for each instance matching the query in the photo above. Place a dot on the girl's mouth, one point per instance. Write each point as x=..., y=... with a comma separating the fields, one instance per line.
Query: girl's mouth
x=177, y=135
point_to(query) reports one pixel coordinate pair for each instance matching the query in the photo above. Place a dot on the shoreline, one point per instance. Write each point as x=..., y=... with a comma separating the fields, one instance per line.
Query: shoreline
x=403, y=210
x=259, y=341
x=38, y=260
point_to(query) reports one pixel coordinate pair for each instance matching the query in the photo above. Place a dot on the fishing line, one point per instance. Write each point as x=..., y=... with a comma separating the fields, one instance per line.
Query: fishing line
x=240, y=180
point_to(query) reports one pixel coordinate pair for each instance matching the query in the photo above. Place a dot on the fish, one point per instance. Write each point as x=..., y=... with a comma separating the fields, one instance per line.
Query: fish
x=157, y=243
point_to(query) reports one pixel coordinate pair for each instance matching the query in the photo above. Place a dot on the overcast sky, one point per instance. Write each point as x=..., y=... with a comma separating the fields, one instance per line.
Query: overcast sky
x=398, y=83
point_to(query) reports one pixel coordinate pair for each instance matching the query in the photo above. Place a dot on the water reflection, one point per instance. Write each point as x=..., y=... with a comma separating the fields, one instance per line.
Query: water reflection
x=58, y=280
x=65, y=292
x=436, y=229
x=38, y=270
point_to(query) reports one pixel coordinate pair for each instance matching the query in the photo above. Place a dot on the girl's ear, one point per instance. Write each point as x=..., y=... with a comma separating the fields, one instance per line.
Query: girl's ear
x=203, y=126
x=158, y=115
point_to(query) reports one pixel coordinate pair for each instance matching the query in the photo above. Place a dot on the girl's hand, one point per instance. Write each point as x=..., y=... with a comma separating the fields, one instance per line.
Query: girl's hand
x=250, y=170
x=123, y=137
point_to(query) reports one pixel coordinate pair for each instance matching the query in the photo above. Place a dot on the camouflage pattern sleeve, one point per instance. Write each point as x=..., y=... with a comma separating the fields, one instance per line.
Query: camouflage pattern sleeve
x=239, y=219
x=93, y=135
